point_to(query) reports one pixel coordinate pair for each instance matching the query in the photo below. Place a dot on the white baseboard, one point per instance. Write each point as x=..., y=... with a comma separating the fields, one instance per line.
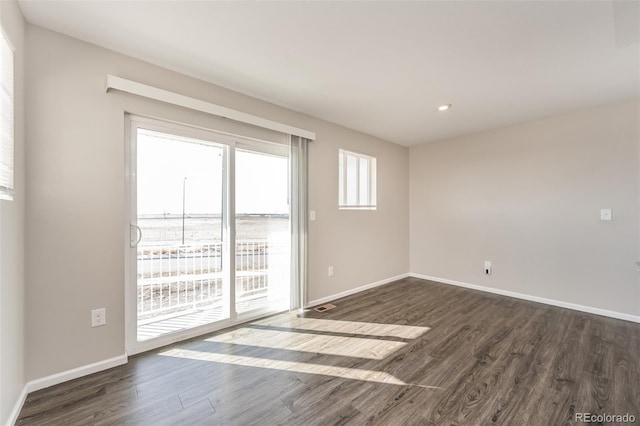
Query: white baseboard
x=326, y=299
x=74, y=373
x=13, y=417
x=552, y=302
x=65, y=376
x=62, y=377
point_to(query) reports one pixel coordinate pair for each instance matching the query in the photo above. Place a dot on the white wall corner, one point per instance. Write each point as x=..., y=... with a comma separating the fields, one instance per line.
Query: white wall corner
x=13, y=417
x=552, y=302
x=62, y=377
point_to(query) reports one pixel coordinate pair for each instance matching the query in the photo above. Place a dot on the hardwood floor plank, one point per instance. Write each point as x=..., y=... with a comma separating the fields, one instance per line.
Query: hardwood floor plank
x=412, y=352
x=626, y=372
x=157, y=412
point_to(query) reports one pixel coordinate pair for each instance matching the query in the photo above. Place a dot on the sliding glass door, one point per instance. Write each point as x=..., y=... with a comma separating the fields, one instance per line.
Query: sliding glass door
x=207, y=210
x=263, y=236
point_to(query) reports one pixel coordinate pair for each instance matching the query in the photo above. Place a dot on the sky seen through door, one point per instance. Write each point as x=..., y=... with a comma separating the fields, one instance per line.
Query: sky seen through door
x=164, y=161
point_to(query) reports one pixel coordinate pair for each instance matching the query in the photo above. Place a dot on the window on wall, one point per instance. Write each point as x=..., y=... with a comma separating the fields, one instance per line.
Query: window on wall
x=357, y=181
x=6, y=118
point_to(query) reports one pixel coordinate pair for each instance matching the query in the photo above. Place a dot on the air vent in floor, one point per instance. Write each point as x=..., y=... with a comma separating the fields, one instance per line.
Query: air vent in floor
x=325, y=307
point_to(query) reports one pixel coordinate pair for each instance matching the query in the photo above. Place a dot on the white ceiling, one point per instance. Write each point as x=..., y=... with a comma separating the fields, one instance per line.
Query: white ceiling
x=381, y=67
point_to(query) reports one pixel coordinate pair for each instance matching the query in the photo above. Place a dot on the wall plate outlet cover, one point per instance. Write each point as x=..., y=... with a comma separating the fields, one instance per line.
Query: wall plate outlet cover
x=605, y=214
x=98, y=317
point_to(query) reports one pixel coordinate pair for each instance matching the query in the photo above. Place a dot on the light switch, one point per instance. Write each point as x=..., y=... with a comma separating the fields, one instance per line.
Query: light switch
x=605, y=214
x=312, y=215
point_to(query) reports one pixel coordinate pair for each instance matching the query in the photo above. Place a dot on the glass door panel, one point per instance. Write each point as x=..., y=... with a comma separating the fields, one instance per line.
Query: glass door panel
x=263, y=236
x=180, y=207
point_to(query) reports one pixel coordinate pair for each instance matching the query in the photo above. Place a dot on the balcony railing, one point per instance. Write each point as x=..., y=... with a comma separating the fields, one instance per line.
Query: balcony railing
x=176, y=278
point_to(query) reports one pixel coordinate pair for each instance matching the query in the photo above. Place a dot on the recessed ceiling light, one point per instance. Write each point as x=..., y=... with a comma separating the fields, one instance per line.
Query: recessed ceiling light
x=444, y=107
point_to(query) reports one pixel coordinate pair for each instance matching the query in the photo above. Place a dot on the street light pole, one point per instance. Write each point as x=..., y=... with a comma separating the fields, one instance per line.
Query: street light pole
x=184, y=184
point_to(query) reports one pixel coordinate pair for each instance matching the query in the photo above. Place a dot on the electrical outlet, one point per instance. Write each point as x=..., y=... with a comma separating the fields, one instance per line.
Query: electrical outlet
x=330, y=271
x=605, y=214
x=98, y=317
x=487, y=267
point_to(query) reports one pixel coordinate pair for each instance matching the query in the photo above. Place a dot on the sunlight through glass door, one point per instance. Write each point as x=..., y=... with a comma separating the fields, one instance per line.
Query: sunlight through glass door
x=263, y=235
x=180, y=272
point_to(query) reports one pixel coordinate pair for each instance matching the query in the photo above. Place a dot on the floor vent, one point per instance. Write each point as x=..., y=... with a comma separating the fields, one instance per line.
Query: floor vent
x=324, y=307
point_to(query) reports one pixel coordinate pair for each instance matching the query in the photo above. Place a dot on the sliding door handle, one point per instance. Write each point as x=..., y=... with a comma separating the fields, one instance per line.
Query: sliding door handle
x=136, y=235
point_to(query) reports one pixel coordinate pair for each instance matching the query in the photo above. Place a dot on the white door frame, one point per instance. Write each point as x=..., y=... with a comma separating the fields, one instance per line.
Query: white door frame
x=230, y=142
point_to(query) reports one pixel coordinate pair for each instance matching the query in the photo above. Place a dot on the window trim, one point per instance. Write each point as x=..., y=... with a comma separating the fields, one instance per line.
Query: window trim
x=7, y=142
x=343, y=184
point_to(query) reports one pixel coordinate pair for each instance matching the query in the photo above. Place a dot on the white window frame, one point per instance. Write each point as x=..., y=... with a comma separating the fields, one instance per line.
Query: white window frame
x=7, y=109
x=231, y=143
x=343, y=184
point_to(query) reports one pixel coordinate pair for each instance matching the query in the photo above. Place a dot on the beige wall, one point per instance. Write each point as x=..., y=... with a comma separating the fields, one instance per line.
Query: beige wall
x=12, y=286
x=525, y=197
x=76, y=196
x=528, y=198
x=362, y=246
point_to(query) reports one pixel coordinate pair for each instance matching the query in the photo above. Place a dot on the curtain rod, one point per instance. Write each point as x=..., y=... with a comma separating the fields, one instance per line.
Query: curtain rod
x=150, y=92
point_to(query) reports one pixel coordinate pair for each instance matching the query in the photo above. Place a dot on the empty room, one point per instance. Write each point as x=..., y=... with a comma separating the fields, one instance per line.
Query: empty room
x=319, y=212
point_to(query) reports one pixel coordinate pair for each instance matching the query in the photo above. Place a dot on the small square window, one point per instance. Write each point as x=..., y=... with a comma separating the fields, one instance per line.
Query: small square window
x=357, y=181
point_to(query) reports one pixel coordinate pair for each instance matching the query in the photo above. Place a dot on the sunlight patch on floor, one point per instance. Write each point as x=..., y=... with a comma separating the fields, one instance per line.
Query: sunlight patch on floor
x=347, y=327
x=355, y=347
x=295, y=367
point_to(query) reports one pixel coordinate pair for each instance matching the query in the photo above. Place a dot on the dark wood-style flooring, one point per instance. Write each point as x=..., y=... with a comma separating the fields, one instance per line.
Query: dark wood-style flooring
x=411, y=352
